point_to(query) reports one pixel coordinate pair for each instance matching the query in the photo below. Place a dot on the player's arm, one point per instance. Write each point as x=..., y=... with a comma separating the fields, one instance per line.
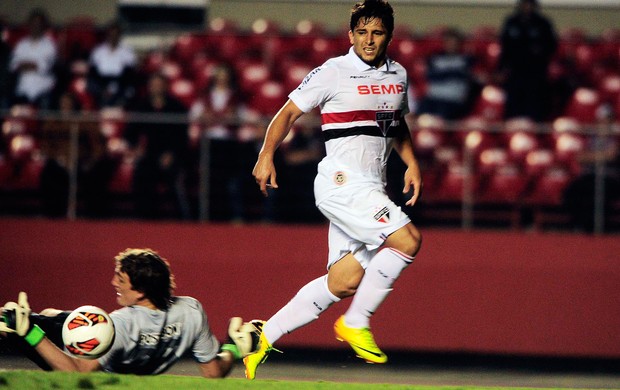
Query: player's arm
x=60, y=361
x=264, y=171
x=16, y=319
x=413, y=177
x=218, y=367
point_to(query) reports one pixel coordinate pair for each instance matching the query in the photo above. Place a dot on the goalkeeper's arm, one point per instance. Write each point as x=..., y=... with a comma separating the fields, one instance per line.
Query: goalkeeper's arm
x=16, y=319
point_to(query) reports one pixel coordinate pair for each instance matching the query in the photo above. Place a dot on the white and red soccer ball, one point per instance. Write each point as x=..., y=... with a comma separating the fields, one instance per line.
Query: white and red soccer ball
x=88, y=332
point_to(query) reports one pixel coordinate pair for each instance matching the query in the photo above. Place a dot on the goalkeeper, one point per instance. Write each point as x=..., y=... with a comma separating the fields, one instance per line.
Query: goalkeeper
x=154, y=329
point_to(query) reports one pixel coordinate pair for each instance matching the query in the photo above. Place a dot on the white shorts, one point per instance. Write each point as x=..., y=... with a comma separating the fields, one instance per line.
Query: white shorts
x=360, y=221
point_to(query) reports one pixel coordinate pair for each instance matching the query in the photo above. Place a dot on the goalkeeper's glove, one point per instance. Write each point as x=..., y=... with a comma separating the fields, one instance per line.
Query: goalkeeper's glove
x=15, y=318
x=242, y=337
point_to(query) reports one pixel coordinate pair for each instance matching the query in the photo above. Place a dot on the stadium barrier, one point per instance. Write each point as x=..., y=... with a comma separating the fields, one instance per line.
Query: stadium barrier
x=538, y=294
x=474, y=170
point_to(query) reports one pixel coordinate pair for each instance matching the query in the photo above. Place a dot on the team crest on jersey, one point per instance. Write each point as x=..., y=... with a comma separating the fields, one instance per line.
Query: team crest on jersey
x=384, y=120
x=382, y=215
x=340, y=178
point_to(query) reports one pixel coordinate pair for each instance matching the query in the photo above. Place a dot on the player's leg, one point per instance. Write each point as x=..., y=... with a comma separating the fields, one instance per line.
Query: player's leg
x=398, y=240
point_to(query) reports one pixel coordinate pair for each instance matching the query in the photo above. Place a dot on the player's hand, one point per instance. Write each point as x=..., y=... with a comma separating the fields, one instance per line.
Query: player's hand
x=15, y=316
x=413, y=182
x=264, y=173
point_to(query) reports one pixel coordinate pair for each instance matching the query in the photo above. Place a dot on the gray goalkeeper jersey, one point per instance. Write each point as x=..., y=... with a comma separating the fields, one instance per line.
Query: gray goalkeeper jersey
x=150, y=341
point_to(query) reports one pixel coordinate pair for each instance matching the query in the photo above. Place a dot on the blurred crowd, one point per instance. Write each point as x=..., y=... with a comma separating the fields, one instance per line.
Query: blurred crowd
x=515, y=98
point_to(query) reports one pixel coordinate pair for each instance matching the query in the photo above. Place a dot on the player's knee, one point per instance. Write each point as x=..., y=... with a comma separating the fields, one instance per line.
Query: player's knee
x=343, y=287
x=408, y=241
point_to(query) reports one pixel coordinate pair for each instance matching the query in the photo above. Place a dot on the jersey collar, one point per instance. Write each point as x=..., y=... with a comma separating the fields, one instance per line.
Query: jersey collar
x=362, y=66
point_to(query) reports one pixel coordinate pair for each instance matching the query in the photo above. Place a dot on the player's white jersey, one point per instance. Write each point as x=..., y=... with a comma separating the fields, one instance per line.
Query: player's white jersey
x=150, y=341
x=362, y=110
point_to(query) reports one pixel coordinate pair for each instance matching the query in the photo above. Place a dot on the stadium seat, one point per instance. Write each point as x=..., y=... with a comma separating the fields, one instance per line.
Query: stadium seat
x=153, y=61
x=252, y=74
x=583, y=105
x=268, y=98
x=499, y=195
x=112, y=122
x=452, y=183
x=121, y=181
x=609, y=88
x=428, y=135
x=184, y=90
x=77, y=38
x=490, y=103
x=294, y=73
x=171, y=69
x=186, y=46
x=491, y=159
x=546, y=196
x=201, y=69
x=538, y=161
x=78, y=87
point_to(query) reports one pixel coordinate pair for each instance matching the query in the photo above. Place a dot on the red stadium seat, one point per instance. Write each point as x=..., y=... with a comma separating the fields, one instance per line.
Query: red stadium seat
x=428, y=135
x=78, y=87
x=294, y=74
x=583, y=105
x=186, y=46
x=505, y=185
x=538, y=161
x=184, y=90
x=452, y=183
x=201, y=70
x=609, y=88
x=153, y=61
x=492, y=159
x=546, y=196
x=112, y=122
x=171, y=69
x=77, y=38
x=268, y=98
x=490, y=103
x=252, y=74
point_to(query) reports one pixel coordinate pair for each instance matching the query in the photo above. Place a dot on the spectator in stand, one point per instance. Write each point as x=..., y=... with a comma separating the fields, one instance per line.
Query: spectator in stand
x=5, y=57
x=112, y=69
x=602, y=157
x=301, y=154
x=32, y=63
x=218, y=112
x=161, y=144
x=55, y=143
x=451, y=84
x=528, y=42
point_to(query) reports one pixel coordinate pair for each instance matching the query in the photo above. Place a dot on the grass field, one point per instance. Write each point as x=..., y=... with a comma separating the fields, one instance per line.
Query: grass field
x=29, y=379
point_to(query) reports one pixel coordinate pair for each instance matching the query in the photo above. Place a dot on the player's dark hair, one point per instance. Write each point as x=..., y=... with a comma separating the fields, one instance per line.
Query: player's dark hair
x=373, y=9
x=149, y=274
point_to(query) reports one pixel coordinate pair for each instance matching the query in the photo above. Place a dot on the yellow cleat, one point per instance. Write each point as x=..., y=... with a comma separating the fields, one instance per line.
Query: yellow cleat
x=361, y=340
x=252, y=361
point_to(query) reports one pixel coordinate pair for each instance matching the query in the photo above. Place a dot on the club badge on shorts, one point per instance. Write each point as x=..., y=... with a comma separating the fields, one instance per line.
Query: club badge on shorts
x=383, y=215
x=340, y=178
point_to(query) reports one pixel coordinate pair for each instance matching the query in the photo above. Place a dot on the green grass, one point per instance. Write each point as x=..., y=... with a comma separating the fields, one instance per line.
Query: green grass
x=40, y=380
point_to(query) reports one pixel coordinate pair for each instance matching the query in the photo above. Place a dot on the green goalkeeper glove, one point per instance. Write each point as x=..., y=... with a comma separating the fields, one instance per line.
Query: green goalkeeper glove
x=15, y=318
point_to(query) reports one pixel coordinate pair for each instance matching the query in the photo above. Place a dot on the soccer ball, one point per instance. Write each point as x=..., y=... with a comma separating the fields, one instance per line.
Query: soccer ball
x=88, y=332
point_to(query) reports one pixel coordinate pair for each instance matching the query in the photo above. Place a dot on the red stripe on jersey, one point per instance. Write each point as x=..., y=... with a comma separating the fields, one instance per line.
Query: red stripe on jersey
x=353, y=116
x=348, y=117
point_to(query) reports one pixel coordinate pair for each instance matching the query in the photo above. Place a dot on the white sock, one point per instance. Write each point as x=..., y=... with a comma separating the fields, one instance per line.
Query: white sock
x=375, y=286
x=305, y=307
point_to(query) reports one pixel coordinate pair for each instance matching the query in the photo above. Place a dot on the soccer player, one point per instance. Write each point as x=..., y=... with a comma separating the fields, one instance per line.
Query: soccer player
x=363, y=100
x=154, y=329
